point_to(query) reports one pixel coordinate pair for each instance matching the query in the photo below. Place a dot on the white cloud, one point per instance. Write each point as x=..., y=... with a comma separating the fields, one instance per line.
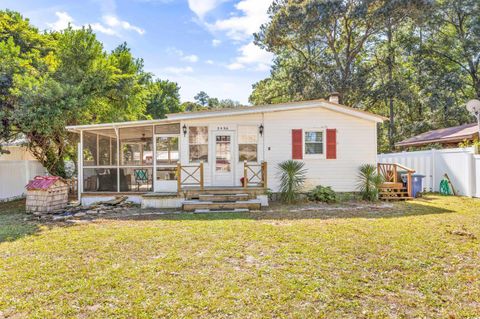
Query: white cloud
x=98, y=27
x=253, y=56
x=253, y=13
x=177, y=70
x=115, y=23
x=235, y=66
x=192, y=58
x=202, y=7
x=216, y=42
x=63, y=19
x=110, y=25
x=209, y=62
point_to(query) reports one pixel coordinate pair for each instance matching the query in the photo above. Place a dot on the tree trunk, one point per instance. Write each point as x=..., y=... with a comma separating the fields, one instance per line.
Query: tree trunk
x=390, y=62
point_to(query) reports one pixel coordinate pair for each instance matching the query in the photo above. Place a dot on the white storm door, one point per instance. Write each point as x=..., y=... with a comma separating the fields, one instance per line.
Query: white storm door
x=166, y=157
x=223, y=166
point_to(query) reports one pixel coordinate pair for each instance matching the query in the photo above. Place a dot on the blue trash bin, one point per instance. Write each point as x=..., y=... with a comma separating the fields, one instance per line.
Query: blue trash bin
x=417, y=183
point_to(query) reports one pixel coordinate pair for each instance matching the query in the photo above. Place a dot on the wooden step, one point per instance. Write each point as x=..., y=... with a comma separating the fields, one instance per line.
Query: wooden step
x=396, y=198
x=192, y=205
x=223, y=197
x=237, y=210
x=194, y=193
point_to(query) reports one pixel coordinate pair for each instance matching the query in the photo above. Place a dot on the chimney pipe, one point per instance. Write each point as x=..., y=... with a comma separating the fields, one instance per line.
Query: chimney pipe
x=334, y=97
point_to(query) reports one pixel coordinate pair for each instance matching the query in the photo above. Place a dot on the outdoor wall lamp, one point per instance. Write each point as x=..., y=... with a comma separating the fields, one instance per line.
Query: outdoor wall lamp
x=184, y=128
x=260, y=129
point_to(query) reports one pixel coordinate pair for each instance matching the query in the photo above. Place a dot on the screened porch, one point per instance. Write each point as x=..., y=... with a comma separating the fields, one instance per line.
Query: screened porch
x=124, y=159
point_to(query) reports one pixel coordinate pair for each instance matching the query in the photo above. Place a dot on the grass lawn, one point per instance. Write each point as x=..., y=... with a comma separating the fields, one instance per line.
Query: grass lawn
x=419, y=259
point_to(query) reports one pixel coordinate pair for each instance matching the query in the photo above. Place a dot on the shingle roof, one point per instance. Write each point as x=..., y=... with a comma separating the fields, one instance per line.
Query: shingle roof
x=444, y=135
x=42, y=182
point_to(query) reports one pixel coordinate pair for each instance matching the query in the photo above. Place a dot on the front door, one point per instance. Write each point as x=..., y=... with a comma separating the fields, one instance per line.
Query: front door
x=223, y=162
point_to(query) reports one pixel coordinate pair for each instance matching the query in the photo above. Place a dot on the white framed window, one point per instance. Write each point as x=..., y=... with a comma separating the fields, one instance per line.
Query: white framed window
x=248, y=143
x=198, y=144
x=314, y=143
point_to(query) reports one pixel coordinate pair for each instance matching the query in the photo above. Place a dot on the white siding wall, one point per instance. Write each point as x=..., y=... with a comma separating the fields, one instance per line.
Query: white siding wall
x=14, y=175
x=232, y=123
x=356, y=145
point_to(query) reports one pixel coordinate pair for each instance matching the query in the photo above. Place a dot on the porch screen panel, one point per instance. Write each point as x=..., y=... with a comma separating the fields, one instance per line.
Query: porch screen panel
x=136, y=159
x=100, y=179
x=198, y=144
x=89, y=149
x=247, y=143
x=100, y=161
x=167, y=150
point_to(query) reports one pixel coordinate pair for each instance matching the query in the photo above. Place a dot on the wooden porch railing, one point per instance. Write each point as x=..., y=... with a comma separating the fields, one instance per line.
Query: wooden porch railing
x=190, y=175
x=72, y=186
x=390, y=171
x=255, y=174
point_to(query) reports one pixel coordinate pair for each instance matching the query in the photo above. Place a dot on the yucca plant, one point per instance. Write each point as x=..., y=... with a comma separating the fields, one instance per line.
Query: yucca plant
x=292, y=177
x=369, y=182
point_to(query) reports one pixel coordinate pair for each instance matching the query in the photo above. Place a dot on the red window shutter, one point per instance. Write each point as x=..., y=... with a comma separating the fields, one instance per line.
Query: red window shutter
x=331, y=143
x=297, y=144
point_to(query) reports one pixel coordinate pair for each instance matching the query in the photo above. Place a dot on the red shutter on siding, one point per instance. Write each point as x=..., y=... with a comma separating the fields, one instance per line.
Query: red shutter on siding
x=331, y=143
x=297, y=145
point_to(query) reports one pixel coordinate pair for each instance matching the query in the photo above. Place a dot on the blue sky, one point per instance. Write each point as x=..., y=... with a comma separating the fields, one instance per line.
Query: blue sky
x=200, y=44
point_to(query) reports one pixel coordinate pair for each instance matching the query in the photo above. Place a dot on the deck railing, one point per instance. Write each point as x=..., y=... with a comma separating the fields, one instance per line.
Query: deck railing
x=390, y=173
x=255, y=174
x=190, y=175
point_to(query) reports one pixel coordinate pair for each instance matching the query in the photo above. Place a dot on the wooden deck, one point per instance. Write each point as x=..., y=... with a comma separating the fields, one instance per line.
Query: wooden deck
x=394, y=187
x=195, y=192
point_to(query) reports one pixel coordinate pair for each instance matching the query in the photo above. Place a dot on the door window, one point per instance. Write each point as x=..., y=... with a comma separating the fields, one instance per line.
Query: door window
x=223, y=147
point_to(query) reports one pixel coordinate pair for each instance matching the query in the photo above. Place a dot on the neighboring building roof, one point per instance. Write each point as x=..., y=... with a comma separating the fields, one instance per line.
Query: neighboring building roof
x=20, y=141
x=175, y=117
x=43, y=182
x=445, y=135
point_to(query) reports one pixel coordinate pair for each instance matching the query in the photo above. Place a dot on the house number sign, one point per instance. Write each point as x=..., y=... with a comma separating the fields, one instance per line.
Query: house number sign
x=223, y=128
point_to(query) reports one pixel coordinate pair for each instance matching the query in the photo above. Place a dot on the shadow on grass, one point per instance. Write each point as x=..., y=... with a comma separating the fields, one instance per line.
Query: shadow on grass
x=324, y=212
x=12, y=223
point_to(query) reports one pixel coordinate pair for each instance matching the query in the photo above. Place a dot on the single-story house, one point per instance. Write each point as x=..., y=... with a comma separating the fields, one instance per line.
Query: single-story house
x=227, y=150
x=447, y=137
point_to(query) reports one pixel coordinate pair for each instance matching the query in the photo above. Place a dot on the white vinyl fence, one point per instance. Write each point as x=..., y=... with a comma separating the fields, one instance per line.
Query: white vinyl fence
x=461, y=165
x=14, y=175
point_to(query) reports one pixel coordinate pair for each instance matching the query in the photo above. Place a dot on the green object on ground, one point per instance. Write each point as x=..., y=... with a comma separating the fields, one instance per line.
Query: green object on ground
x=445, y=187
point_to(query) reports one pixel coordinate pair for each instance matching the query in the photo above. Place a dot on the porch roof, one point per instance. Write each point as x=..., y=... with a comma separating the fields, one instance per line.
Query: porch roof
x=177, y=117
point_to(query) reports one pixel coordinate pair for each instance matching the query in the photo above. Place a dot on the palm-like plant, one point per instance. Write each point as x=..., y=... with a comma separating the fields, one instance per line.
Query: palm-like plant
x=369, y=182
x=292, y=177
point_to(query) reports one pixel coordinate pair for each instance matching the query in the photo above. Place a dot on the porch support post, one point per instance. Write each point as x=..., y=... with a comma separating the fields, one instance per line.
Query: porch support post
x=80, y=168
x=118, y=159
x=201, y=175
x=409, y=183
x=245, y=175
x=264, y=174
x=179, y=177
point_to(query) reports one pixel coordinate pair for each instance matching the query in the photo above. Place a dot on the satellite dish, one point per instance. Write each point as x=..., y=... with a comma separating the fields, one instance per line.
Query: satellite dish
x=473, y=106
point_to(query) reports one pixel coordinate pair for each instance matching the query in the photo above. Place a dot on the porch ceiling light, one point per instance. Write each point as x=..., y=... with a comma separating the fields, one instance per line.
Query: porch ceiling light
x=184, y=129
x=260, y=129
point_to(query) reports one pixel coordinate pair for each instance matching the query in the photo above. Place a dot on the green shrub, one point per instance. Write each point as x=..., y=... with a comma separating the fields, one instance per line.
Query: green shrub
x=322, y=194
x=292, y=178
x=369, y=182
